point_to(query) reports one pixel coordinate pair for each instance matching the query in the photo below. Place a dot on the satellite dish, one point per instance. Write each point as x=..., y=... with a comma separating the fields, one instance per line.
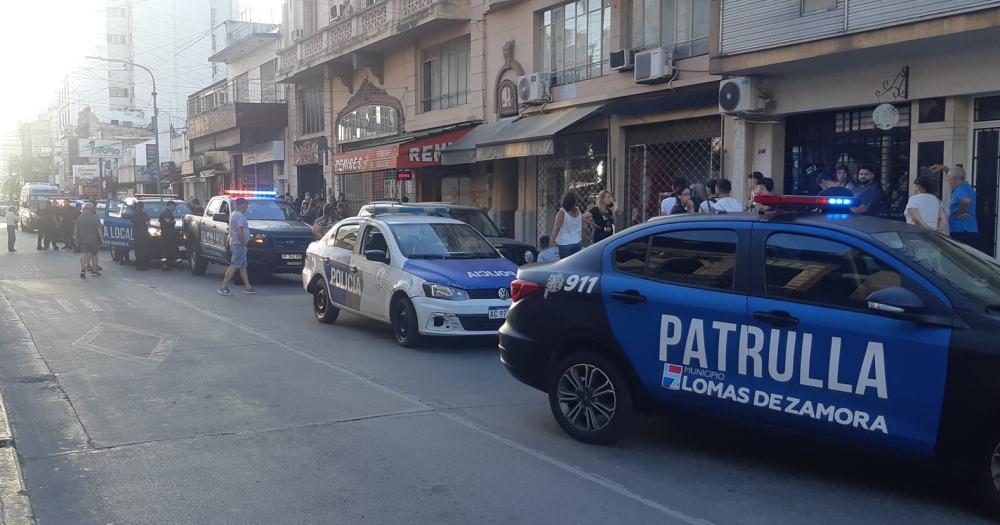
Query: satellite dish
x=885, y=117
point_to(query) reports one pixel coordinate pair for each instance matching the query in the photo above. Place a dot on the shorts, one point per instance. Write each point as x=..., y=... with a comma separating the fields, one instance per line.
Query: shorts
x=89, y=248
x=238, y=258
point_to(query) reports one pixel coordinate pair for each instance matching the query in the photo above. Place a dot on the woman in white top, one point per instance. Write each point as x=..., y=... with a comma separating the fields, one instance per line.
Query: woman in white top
x=568, y=229
x=925, y=209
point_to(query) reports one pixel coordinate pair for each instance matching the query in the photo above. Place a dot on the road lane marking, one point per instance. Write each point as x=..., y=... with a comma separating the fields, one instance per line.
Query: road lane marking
x=68, y=306
x=93, y=307
x=537, y=454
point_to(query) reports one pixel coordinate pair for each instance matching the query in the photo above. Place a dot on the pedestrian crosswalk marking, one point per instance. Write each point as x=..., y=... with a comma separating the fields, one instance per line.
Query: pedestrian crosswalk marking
x=67, y=305
x=92, y=306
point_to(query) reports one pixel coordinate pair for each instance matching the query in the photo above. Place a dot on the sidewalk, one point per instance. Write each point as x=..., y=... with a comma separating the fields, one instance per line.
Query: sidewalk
x=14, y=506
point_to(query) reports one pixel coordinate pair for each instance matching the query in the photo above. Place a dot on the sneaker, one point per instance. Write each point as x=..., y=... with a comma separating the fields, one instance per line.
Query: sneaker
x=95, y=273
x=224, y=291
x=83, y=274
x=99, y=267
x=251, y=291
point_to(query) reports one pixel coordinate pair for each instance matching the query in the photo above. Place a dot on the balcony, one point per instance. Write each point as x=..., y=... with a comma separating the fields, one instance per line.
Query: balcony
x=223, y=115
x=243, y=38
x=369, y=29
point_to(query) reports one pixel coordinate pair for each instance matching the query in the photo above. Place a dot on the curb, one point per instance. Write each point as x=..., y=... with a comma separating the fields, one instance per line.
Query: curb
x=15, y=509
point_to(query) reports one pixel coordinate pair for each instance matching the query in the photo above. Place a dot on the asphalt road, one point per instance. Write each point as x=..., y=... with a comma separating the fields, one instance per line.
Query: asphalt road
x=145, y=397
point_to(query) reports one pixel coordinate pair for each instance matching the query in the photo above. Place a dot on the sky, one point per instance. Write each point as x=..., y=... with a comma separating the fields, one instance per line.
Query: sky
x=45, y=39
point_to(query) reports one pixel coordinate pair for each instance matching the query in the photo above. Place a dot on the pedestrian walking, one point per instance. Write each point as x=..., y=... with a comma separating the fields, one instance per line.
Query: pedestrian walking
x=239, y=234
x=88, y=236
x=568, y=227
x=683, y=202
x=325, y=221
x=962, y=208
x=168, y=236
x=603, y=217
x=140, y=236
x=924, y=208
x=670, y=200
x=722, y=202
x=868, y=193
x=10, y=218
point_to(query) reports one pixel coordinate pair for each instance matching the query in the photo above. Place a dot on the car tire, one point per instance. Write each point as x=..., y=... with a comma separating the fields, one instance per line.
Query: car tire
x=404, y=323
x=595, y=405
x=323, y=307
x=197, y=263
x=988, y=475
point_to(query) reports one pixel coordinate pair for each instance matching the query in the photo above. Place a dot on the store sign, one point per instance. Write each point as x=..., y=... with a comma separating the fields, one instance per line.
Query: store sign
x=426, y=152
x=507, y=98
x=305, y=152
x=108, y=149
x=404, y=174
x=85, y=173
x=372, y=159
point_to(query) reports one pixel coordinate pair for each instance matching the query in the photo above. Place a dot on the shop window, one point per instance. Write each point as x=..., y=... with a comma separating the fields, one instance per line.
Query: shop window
x=368, y=122
x=987, y=108
x=817, y=6
x=445, y=75
x=311, y=109
x=574, y=40
x=931, y=110
x=681, y=25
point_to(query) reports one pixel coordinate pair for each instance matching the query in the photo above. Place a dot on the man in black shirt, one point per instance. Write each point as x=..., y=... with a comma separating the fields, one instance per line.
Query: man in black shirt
x=140, y=236
x=168, y=235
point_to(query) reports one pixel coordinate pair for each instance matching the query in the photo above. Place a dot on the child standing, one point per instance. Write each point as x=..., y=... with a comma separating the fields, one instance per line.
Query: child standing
x=546, y=253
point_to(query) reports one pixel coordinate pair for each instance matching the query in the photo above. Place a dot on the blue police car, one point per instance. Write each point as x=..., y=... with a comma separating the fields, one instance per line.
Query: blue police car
x=424, y=274
x=854, y=328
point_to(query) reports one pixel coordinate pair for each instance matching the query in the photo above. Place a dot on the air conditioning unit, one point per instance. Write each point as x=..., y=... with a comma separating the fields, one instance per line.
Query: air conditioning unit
x=654, y=66
x=623, y=60
x=336, y=12
x=533, y=89
x=740, y=95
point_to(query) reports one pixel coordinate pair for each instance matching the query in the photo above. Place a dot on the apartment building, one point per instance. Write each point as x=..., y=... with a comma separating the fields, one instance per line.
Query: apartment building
x=236, y=127
x=385, y=87
x=822, y=66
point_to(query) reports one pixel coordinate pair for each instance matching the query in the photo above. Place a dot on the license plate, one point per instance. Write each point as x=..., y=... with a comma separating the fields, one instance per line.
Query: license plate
x=498, y=312
x=293, y=256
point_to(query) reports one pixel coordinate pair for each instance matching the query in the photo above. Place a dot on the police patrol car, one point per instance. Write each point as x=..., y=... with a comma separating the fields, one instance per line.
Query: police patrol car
x=859, y=329
x=424, y=274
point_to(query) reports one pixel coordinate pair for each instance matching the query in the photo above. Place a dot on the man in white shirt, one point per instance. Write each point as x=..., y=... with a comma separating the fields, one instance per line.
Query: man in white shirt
x=11, y=220
x=668, y=203
x=724, y=203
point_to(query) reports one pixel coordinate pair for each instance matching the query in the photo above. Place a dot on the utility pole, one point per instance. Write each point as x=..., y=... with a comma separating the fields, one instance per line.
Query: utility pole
x=156, y=115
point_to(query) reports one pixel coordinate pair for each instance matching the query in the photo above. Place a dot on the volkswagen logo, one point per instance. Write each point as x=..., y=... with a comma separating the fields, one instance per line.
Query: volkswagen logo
x=503, y=293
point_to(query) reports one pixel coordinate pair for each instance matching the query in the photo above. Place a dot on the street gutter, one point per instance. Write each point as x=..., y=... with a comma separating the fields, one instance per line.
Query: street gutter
x=15, y=509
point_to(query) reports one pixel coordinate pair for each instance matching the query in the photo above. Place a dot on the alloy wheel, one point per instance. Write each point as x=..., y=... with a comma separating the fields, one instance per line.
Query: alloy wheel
x=586, y=397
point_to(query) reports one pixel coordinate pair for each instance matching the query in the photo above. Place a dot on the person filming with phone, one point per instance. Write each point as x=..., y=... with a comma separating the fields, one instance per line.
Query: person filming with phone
x=603, y=217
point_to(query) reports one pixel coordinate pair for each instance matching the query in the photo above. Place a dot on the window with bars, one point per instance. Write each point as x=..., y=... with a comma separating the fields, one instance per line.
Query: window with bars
x=311, y=109
x=368, y=122
x=445, y=75
x=574, y=39
x=681, y=25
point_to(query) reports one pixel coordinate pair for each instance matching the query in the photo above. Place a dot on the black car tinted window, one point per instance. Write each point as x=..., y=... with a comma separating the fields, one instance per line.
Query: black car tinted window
x=631, y=256
x=704, y=258
x=374, y=240
x=822, y=271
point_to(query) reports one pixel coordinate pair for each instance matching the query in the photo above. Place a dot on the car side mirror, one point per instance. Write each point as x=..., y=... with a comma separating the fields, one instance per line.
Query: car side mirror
x=220, y=217
x=377, y=256
x=895, y=300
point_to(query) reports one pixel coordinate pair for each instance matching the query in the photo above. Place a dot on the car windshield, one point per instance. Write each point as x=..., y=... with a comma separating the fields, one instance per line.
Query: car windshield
x=477, y=219
x=154, y=208
x=969, y=271
x=441, y=241
x=269, y=210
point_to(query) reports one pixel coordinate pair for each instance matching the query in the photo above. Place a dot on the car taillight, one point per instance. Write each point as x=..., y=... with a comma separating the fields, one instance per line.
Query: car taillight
x=520, y=289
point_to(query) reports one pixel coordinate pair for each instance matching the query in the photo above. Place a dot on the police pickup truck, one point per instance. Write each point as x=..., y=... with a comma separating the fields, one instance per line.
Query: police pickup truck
x=119, y=233
x=856, y=329
x=278, y=238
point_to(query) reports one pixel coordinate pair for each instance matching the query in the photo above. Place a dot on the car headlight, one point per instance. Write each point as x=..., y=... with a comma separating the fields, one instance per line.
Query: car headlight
x=440, y=291
x=258, y=238
x=529, y=256
x=154, y=232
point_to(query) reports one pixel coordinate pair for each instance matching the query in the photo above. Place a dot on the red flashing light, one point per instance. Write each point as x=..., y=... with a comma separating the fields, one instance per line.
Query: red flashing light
x=520, y=289
x=790, y=201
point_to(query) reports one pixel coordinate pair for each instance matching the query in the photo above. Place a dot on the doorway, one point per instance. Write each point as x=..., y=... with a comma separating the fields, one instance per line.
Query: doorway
x=986, y=168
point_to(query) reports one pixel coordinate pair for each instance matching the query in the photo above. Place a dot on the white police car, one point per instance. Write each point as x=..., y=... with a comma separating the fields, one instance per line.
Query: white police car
x=856, y=329
x=425, y=275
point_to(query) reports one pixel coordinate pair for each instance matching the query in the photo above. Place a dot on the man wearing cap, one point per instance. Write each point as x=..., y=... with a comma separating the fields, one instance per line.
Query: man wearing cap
x=168, y=235
x=239, y=236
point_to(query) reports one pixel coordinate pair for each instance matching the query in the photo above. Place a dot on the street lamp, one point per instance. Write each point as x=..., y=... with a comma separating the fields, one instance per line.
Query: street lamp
x=156, y=112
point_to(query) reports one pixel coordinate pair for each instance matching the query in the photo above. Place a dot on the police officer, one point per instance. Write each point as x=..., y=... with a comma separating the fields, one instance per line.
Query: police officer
x=70, y=213
x=168, y=235
x=140, y=236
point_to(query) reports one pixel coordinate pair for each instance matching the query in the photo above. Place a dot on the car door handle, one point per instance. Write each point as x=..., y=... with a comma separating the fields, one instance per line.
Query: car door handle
x=354, y=269
x=777, y=318
x=629, y=297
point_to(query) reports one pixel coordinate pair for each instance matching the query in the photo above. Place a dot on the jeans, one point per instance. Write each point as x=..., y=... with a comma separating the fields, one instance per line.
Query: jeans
x=565, y=250
x=11, y=237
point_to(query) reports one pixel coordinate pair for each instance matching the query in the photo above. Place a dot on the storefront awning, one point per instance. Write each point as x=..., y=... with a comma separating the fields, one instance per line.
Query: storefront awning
x=513, y=137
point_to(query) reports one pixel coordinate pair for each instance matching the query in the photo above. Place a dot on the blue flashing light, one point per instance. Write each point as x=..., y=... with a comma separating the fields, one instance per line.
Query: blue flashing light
x=840, y=201
x=252, y=193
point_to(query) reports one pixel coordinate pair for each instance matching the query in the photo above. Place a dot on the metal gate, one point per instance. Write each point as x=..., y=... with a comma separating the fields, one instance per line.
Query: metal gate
x=581, y=170
x=659, y=154
x=359, y=189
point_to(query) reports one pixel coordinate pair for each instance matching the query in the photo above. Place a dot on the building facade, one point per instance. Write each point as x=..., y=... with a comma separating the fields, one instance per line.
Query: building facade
x=823, y=66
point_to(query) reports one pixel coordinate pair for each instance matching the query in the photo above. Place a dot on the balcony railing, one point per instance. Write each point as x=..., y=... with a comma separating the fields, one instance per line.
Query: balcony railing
x=370, y=25
x=236, y=90
x=237, y=30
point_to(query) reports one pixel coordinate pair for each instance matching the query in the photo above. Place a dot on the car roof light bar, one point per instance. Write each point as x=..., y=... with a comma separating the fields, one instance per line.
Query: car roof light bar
x=422, y=210
x=804, y=201
x=252, y=193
